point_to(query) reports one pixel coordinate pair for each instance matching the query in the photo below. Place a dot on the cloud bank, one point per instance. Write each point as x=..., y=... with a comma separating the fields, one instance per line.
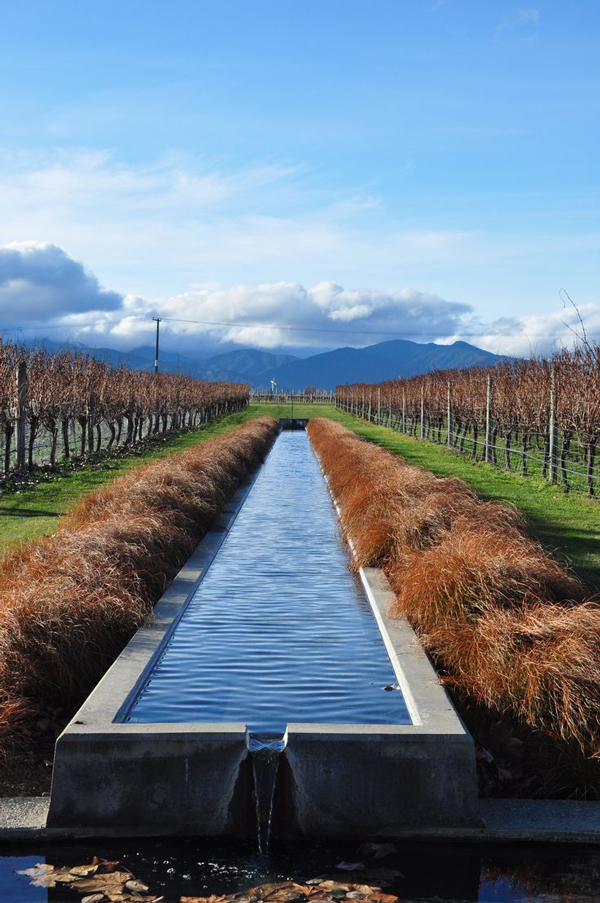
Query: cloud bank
x=39, y=282
x=47, y=291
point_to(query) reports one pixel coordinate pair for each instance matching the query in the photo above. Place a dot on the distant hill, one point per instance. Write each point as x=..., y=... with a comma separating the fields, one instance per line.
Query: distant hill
x=243, y=365
x=375, y=363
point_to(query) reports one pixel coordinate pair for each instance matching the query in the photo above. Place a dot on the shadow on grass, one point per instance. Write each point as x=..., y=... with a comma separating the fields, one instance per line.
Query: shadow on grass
x=26, y=512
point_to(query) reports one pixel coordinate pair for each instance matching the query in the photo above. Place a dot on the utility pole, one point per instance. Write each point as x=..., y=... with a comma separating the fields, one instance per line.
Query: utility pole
x=157, y=319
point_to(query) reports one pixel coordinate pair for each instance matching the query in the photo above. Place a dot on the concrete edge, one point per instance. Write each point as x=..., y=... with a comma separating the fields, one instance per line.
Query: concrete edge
x=428, y=703
x=111, y=698
x=22, y=821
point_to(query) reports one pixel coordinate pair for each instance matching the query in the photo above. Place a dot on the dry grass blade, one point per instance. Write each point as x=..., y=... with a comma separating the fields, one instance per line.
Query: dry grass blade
x=513, y=629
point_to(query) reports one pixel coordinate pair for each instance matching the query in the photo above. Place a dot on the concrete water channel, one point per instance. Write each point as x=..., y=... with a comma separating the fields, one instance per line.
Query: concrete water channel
x=269, y=676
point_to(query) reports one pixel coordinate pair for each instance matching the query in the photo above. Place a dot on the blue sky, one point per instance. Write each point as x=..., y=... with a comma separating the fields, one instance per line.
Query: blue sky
x=426, y=167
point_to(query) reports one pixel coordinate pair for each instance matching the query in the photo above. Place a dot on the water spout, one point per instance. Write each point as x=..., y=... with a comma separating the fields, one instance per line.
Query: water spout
x=265, y=752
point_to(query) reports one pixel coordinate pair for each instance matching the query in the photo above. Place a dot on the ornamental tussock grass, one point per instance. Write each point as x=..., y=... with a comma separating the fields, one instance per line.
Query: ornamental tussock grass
x=70, y=602
x=511, y=628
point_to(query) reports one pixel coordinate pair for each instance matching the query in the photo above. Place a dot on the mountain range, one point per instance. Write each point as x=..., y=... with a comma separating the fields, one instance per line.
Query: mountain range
x=374, y=363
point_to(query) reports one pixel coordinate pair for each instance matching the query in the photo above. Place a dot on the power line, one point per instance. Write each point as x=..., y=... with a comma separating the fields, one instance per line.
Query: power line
x=358, y=331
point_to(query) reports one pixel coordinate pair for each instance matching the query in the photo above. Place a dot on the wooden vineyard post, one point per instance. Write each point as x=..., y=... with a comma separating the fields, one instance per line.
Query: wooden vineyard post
x=552, y=427
x=21, y=413
x=403, y=411
x=91, y=416
x=488, y=419
x=379, y=407
x=422, y=412
x=449, y=416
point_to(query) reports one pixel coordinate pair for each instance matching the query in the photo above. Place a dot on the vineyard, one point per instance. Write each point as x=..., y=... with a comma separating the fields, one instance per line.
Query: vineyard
x=536, y=417
x=512, y=632
x=56, y=407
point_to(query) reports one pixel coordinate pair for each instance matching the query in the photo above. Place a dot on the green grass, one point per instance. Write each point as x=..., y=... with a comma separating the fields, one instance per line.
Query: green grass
x=35, y=511
x=568, y=525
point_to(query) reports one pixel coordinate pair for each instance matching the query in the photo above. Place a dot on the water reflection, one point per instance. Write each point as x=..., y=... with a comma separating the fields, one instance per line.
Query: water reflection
x=279, y=630
x=416, y=872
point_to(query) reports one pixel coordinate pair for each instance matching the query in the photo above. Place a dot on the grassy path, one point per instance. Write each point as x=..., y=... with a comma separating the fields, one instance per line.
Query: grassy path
x=35, y=511
x=569, y=526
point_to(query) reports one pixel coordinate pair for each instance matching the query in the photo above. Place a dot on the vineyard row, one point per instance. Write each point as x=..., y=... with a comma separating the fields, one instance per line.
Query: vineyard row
x=539, y=417
x=57, y=407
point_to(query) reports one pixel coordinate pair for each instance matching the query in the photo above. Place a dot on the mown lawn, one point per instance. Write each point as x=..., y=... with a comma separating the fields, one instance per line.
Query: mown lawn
x=567, y=525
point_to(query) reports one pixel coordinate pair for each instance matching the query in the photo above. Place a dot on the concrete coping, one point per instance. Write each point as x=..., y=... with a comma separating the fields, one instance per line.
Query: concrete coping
x=107, y=706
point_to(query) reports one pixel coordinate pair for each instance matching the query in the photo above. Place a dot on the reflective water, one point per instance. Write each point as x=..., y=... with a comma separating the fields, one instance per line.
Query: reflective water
x=279, y=630
x=428, y=873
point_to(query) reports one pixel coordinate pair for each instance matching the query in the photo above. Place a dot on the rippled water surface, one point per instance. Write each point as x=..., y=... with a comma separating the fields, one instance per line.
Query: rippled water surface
x=279, y=630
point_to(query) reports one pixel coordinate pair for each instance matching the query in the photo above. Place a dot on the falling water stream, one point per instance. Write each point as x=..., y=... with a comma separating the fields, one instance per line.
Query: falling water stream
x=265, y=752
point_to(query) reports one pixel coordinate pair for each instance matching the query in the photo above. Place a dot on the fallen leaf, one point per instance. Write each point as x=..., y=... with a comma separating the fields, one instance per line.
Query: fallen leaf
x=214, y=898
x=105, y=867
x=111, y=883
x=83, y=871
x=94, y=898
x=137, y=887
x=41, y=875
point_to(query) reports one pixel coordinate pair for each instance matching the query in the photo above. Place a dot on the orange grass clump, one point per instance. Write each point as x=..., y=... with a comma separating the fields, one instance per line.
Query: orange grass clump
x=512, y=628
x=69, y=602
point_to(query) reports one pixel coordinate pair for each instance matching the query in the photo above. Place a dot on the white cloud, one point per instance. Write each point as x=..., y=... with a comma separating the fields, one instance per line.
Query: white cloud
x=543, y=333
x=39, y=280
x=521, y=18
x=525, y=16
x=160, y=228
x=325, y=315
x=41, y=285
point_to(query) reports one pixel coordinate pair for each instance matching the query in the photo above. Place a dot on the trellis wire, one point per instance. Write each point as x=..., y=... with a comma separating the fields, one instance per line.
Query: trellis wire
x=567, y=444
x=67, y=406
